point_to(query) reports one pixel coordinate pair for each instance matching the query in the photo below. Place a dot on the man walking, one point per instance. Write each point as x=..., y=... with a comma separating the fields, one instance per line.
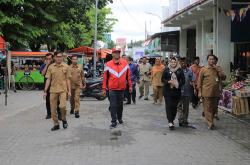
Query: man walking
x=145, y=70
x=196, y=70
x=186, y=93
x=115, y=75
x=134, y=75
x=58, y=78
x=43, y=71
x=77, y=81
x=209, y=89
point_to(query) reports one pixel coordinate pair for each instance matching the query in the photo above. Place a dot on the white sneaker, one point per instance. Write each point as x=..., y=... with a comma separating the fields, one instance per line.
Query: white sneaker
x=170, y=124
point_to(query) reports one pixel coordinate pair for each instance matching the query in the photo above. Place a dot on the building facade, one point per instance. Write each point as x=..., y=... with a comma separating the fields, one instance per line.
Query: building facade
x=205, y=28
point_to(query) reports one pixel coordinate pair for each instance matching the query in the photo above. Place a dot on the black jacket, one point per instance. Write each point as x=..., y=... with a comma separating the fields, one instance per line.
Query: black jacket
x=167, y=76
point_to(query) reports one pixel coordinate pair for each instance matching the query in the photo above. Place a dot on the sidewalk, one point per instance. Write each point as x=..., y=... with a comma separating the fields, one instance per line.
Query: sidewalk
x=18, y=102
x=26, y=139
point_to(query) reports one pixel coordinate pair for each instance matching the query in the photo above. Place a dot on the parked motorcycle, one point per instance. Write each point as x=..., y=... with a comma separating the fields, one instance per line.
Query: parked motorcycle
x=93, y=89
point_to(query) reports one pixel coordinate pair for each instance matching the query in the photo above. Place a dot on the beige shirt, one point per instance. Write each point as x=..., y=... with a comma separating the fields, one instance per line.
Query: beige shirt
x=143, y=69
x=77, y=76
x=58, y=74
x=209, y=82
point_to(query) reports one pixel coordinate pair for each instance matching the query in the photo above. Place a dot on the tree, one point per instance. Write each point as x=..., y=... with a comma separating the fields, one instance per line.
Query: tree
x=61, y=24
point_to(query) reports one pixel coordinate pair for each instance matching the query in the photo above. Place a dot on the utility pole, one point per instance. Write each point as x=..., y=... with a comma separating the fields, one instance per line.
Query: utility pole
x=95, y=39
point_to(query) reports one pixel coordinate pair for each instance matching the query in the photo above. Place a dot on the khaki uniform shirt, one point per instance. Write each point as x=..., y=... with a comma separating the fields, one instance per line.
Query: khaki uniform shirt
x=58, y=74
x=77, y=76
x=144, y=68
x=209, y=82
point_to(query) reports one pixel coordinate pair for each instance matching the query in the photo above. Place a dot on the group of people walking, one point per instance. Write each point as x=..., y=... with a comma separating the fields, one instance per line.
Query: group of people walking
x=177, y=82
x=62, y=82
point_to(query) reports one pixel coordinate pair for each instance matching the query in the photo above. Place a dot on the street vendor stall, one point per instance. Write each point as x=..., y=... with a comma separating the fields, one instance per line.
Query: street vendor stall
x=235, y=97
x=27, y=65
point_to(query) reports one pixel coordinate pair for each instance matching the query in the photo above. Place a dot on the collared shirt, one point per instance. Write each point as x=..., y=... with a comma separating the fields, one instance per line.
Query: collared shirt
x=144, y=68
x=134, y=73
x=187, y=89
x=77, y=76
x=196, y=70
x=58, y=74
x=209, y=82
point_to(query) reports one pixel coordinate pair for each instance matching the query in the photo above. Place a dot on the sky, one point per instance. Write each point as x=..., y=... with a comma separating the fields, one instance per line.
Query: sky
x=132, y=15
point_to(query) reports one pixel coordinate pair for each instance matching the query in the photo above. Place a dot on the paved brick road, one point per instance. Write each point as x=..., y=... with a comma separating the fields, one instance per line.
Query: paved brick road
x=26, y=139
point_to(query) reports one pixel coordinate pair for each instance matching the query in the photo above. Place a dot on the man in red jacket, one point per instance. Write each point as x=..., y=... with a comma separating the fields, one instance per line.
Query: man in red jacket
x=116, y=74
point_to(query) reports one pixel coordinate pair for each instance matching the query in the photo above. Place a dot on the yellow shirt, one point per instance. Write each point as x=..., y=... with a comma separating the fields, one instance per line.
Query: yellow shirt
x=58, y=74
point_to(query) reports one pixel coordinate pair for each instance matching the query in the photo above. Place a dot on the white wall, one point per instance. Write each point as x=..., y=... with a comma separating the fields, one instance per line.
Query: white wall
x=183, y=42
x=223, y=32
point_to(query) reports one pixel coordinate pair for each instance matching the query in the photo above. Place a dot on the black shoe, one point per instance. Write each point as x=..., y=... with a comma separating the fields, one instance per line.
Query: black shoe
x=77, y=115
x=56, y=127
x=65, y=124
x=203, y=114
x=127, y=103
x=183, y=124
x=140, y=97
x=113, y=125
x=211, y=127
x=120, y=121
x=59, y=117
x=71, y=112
x=146, y=98
x=216, y=117
x=15, y=91
x=48, y=117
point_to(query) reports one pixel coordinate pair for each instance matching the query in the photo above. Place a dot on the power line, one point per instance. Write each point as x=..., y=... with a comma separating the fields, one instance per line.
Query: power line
x=133, y=18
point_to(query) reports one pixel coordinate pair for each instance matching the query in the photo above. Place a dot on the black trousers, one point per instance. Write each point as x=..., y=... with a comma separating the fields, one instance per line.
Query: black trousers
x=129, y=95
x=48, y=106
x=116, y=105
x=195, y=99
x=171, y=103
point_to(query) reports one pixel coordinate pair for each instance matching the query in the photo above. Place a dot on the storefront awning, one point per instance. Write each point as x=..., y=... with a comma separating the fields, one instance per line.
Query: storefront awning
x=27, y=54
x=188, y=16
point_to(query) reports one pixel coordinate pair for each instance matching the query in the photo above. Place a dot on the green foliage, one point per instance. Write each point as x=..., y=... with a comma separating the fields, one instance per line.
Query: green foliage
x=61, y=24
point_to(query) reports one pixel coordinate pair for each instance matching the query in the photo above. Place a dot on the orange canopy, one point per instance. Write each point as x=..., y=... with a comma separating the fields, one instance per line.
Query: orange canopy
x=27, y=54
x=88, y=51
x=83, y=49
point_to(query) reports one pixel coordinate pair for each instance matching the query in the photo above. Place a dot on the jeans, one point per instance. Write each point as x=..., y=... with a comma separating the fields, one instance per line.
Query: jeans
x=116, y=105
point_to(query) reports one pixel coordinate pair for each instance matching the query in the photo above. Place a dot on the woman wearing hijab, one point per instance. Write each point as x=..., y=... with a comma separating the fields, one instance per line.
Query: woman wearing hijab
x=173, y=79
x=156, y=82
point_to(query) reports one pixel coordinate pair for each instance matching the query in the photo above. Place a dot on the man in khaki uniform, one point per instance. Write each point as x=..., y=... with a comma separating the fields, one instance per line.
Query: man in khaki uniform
x=209, y=88
x=77, y=81
x=145, y=78
x=58, y=78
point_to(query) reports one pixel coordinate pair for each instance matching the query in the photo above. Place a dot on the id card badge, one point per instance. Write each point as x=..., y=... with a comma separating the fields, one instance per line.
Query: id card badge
x=216, y=79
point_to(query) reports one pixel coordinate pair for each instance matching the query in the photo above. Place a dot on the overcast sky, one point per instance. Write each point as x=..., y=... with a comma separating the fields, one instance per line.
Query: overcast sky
x=131, y=15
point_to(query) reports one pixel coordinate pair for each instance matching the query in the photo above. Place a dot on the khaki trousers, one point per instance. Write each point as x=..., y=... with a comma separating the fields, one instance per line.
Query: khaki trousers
x=75, y=99
x=210, y=105
x=144, y=85
x=54, y=98
x=158, y=93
